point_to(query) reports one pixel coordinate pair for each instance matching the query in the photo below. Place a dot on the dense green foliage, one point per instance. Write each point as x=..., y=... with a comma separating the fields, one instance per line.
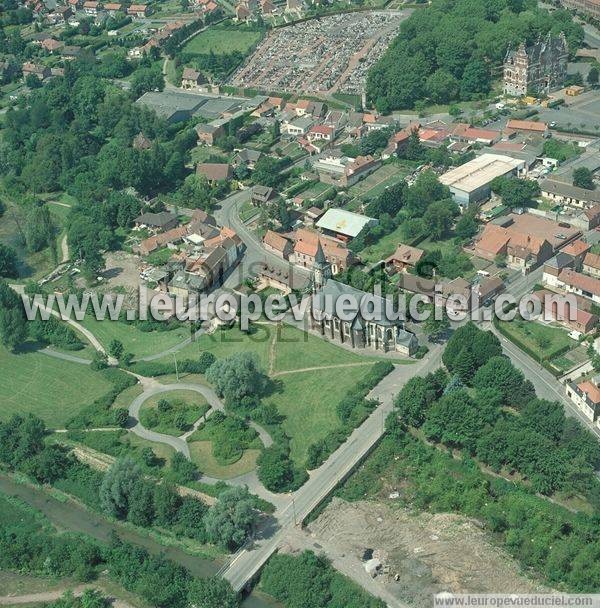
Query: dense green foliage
x=29, y=545
x=446, y=52
x=553, y=453
x=309, y=580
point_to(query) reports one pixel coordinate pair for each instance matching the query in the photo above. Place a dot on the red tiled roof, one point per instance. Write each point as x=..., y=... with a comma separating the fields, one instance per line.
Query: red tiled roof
x=526, y=125
x=592, y=259
x=275, y=240
x=592, y=391
x=576, y=248
x=580, y=281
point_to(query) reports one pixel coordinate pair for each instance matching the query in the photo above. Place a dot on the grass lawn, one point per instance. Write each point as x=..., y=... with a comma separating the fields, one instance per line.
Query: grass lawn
x=384, y=247
x=308, y=401
x=50, y=388
x=222, y=40
x=188, y=406
x=446, y=246
x=247, y=211
x=296, y=349
x=544, y=340
x=374, y=184
x=202, y=455
x=125, y=397
x=225, y=342
x=138, y=342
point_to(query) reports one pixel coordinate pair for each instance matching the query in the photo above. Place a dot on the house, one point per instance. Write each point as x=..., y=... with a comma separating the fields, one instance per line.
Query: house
x=343, y=171
x=321, y=133
x=312, y=215
x=554, y=266
x=41, y=71
x=261, y=195
x=208, y=133
x=267, y=7
x=285, y=280
x=586, y=396
x=404, y=258
x=191, y=78
x=588, y=7
x=579, y=284
x=51, y=45
x=90, y=7
x=158, y=241
x=242, y=13
x=344, y=224
x=214, y=172
x=590, y=218
x=298, y=126
x=278, y=244
x=138, y=11
x=559, y=310
x=488, y=290
x=591, y=265
x=247, y=158
x=159, y=222
x=63, y=13
x=411, y=283
x=307, y=243
x=522, y=251
x=577, y=250
x=464, y=132
x=201, y=216
x=112, y=8
x=528, y=127
x=70, y=52
x=539, y=68
x=565, y=194
x=376, y=332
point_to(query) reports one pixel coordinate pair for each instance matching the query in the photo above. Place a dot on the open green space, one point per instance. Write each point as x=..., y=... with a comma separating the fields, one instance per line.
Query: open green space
x=140, y=343
x=308, y=401
x=50, y=388
x=375, y=183
x=384, y=247
x=173, y=412
x=202, y=455
x=545, y=341
x=222, y=40
x=295, y=349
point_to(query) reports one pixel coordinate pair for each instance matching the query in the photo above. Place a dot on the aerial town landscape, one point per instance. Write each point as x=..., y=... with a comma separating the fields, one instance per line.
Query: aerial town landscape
x=172, y=172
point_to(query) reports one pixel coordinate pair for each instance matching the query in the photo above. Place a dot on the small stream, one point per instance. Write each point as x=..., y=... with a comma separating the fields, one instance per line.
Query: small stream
x=72, y=516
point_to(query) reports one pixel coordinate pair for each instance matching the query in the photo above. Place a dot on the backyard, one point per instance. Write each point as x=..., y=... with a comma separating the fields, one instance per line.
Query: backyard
x=543, y=341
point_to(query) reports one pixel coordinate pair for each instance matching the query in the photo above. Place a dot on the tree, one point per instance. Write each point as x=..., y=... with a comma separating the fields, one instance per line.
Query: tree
x=212, y=592
x=231, y=520
x=500, y=373
x=116, y=348
x=166, y=503
x=275, y=469
x=436, y=328
x=13, y=323
x=466, y=226
x=237, y=376
x=39, y=228
x=117, y=486
x=583, y=178
x=476, y=80
x=146, y=79
x=8, y=262
x=442, y=87
x=593, y=76
x=439, y=217
x=515, y=192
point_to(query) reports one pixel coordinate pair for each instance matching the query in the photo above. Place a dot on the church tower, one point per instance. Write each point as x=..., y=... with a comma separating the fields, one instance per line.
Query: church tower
x=321, y=271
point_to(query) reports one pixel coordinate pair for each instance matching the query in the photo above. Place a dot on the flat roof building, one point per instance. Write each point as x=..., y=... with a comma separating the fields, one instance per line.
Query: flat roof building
x=344, y=223
x=470, y=182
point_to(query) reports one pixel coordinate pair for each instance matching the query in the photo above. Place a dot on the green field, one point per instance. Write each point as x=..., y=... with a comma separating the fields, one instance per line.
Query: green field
x=50, y=388
x=546, y=341
x=308, y=401
x=384, y=247
x=373, y=185
x=138, y=342
x=222, y=40
x=202, y=454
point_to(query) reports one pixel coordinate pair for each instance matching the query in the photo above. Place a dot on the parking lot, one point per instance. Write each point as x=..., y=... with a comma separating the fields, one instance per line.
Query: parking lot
x=327, y=55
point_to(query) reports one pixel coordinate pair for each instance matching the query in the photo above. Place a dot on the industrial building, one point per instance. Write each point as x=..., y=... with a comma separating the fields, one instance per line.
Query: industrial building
x=470, y=183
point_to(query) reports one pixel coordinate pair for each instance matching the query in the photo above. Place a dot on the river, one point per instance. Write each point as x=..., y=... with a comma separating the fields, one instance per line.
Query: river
x=72, y=516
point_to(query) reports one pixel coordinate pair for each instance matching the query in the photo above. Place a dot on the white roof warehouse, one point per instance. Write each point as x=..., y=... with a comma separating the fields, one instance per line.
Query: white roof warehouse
x=471, y=182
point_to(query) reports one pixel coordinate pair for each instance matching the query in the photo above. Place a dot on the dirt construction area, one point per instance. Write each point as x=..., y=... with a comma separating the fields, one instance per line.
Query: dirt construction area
x=421, y=554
